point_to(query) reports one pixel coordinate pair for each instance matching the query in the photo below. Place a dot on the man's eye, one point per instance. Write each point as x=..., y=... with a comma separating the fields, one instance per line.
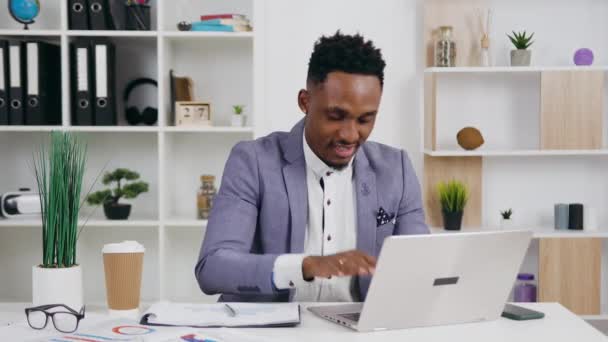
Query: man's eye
x=335, y=116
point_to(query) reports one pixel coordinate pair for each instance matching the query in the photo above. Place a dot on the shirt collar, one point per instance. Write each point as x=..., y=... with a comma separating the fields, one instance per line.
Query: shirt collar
x=319, y=167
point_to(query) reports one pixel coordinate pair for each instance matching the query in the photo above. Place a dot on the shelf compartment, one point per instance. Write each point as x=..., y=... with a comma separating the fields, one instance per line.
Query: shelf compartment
x=221, y=71
x=465, y=169
x=192, y=155
x=136, y=57
x=180, y=245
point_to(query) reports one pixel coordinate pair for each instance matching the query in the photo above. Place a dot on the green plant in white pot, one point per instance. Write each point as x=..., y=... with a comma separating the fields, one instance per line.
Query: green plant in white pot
x=59, y=173
x=238, y=119
x=521, y=56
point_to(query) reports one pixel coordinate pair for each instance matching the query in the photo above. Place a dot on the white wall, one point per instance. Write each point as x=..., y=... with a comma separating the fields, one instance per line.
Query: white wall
x=291, y=29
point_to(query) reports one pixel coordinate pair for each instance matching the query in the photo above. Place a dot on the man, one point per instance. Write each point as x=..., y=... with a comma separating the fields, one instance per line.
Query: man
x=302, y=215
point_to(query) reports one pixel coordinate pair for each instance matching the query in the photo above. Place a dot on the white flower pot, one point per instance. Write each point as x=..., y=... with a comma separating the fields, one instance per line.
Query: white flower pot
x=506, y=224
x=238, y=120
x=57, y=286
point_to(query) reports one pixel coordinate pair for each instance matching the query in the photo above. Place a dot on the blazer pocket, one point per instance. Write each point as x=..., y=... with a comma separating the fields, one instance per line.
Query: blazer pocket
x=383, y=232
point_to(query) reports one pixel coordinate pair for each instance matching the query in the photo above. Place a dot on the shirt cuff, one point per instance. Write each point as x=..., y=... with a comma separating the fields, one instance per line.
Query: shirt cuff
x=287, y=271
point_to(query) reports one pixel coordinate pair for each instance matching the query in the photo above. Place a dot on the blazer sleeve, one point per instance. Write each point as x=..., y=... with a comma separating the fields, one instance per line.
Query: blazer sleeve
x=410, y=217
x=226, y=264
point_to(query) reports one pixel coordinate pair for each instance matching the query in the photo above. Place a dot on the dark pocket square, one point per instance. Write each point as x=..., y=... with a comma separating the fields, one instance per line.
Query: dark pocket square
x=383, y=217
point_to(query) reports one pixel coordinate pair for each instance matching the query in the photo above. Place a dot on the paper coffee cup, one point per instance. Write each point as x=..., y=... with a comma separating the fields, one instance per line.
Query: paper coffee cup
x=123, y=266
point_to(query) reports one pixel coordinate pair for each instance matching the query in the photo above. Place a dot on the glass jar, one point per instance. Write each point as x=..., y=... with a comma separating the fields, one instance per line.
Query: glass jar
x=205, y=196
x=445, y=48
x=525, y=289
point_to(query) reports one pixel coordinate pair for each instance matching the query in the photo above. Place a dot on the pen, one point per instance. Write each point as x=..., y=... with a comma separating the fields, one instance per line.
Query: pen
x=230, y=310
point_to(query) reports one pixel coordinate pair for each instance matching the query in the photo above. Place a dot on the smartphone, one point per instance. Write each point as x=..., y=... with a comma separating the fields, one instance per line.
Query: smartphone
x=520, y=314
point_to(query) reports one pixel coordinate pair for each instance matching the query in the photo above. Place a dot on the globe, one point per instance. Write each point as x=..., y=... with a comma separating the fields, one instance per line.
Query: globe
x=24, y=11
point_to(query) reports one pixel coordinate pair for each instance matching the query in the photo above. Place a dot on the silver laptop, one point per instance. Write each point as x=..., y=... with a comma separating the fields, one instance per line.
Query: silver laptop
x=437, y=279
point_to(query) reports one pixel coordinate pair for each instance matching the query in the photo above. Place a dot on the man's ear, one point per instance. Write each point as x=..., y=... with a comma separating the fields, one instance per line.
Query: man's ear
x=303, y=100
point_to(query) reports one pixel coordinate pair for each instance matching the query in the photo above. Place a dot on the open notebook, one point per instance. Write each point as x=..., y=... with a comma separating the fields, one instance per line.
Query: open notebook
x=222, y=315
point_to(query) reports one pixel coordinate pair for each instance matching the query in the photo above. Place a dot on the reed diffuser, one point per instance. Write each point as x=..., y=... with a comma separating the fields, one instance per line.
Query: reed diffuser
x=484, y=57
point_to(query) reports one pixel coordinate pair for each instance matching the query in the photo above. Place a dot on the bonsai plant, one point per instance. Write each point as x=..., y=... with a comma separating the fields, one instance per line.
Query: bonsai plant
x=453, y=197
x=521, y=56
x=110, y=197
x=506, y=221
x=238, y=118
x=59, y=174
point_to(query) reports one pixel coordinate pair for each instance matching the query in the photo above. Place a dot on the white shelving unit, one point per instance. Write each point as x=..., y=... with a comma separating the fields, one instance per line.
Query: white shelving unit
x=226, y=69
x=511, y=170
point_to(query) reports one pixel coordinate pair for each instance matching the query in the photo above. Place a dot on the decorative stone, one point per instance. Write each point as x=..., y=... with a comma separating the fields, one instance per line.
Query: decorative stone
x=469, y=138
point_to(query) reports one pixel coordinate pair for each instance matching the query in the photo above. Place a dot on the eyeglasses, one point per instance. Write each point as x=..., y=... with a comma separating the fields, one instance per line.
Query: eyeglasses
x=65, y=319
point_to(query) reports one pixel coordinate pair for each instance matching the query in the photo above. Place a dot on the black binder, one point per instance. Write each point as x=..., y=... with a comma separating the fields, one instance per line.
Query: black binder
x=82, y=83
x=99, y=15
x=43, y=97
x=4, y=83
x=105, y=88
x=17, y=83
x=78, y=14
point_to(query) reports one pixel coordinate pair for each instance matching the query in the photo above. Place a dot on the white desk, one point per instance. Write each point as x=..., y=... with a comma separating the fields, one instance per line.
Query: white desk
x=559, y=324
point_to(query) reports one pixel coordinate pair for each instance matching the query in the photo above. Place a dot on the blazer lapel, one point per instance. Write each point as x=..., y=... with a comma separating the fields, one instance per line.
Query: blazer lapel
x=294, y=174
x=367, y=204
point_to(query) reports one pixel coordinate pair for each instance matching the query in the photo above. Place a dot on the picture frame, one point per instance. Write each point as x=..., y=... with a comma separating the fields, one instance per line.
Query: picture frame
x=192, y=113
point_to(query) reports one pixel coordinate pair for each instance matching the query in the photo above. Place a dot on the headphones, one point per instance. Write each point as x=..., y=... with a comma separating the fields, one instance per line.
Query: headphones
x=132, y=114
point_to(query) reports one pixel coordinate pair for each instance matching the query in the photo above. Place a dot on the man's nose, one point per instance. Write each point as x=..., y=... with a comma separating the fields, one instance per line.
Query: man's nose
x=349, y=133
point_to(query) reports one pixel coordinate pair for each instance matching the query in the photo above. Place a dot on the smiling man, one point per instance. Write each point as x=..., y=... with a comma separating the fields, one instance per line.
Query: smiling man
x=301, y=215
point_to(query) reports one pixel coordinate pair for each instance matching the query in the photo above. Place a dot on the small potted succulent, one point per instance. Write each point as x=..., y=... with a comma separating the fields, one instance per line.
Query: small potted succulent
x=238, y=119
x=109, y=197
x=521, y=56
x=506, y=221
x=453, y=196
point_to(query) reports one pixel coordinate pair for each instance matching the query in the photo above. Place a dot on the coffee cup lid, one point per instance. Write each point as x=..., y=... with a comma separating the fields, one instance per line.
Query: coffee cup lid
x=123, y=247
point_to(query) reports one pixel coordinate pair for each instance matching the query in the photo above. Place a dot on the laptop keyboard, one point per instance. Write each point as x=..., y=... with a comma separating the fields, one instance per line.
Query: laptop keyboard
x=352, y=316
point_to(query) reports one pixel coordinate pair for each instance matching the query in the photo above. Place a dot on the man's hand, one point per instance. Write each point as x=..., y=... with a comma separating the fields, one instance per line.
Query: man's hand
x=342, y=264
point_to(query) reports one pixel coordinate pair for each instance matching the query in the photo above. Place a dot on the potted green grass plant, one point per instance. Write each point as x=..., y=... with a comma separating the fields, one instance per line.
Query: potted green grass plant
x=453, y=196
x=110, y=197
x=521, y=56
x=59, y=170
x=238, y=119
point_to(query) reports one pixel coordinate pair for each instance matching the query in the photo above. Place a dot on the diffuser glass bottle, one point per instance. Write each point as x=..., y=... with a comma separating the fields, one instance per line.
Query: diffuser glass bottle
x=205, y=196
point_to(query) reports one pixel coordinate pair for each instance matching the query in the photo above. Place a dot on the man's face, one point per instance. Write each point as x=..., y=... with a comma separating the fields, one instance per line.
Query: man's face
x=340, y=115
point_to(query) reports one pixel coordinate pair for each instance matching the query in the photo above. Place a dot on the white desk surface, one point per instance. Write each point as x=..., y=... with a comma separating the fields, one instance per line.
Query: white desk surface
x=559, y=324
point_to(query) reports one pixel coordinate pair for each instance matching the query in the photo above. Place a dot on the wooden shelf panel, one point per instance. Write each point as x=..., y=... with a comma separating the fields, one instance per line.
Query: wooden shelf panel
x=514, y=153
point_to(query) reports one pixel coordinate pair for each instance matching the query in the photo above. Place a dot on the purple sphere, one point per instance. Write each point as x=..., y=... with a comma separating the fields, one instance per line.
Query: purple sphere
x=583, y=57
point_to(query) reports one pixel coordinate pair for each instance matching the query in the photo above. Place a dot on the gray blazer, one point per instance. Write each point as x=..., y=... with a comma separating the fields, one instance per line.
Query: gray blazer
x=261, y=212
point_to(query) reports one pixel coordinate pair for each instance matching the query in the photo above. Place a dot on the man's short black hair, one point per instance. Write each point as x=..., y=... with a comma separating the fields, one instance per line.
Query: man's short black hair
x=346, y=53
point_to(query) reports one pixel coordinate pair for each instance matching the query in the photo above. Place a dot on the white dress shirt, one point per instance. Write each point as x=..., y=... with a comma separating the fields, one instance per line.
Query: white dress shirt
x=331, y=229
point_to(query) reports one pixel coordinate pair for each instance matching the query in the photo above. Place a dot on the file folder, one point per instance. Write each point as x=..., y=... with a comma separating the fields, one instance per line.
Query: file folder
x=78, y=14
x=100, y=15
x=105, y=97
x=4, y=82
x=43, y=100
x=82, y=108
x=17, y=83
